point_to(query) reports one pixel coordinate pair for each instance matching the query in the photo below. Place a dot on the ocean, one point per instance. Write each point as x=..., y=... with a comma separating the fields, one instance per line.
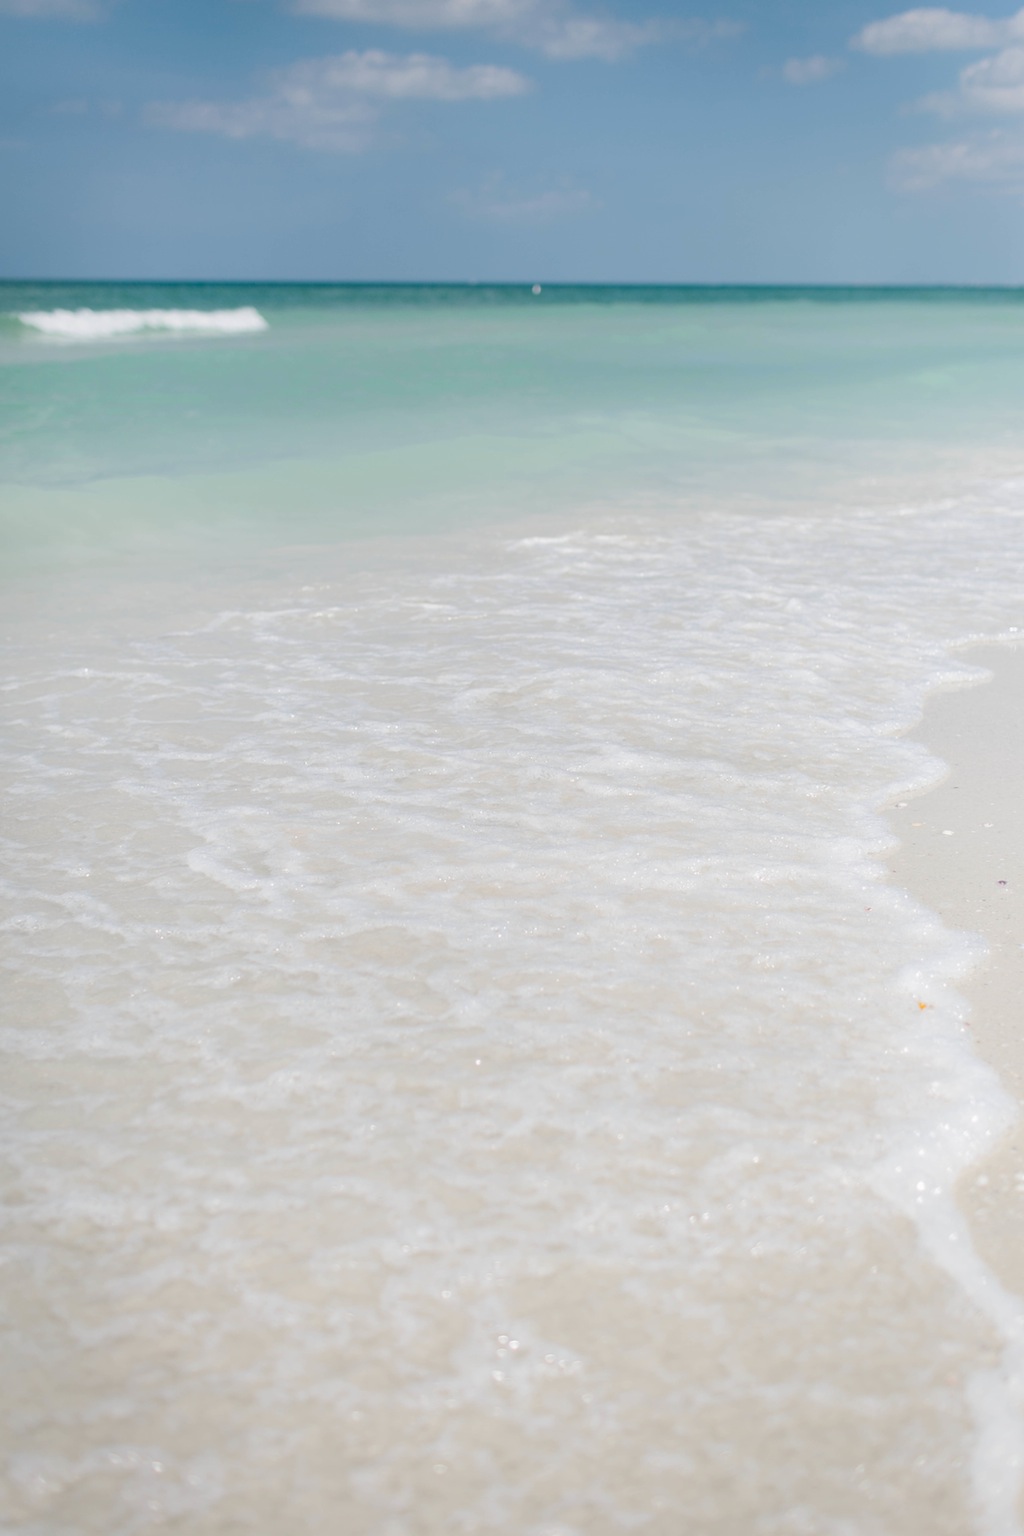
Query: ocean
x=466, y=1068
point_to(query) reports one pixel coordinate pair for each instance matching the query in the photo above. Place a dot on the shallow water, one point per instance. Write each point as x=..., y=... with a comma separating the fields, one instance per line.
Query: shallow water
x=465, y=1069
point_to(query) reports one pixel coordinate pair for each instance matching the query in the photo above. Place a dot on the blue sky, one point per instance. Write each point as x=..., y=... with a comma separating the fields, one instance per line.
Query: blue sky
x=619, y=140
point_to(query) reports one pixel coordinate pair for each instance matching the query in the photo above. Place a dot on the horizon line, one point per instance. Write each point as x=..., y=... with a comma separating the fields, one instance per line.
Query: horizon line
x=513, y=283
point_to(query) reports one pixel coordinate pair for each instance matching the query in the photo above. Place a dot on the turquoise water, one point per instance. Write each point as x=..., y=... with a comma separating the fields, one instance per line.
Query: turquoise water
x=415, y=407
x=466, y=1067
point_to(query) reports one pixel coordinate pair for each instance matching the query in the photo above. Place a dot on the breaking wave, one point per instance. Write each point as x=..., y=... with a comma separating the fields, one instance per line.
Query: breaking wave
x=102, y=324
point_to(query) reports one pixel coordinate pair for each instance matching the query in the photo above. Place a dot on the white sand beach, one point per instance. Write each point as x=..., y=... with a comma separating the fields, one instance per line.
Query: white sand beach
x=962, y=853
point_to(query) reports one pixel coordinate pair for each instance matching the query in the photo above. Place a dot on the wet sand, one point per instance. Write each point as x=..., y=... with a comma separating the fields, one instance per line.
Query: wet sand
x=962, y=853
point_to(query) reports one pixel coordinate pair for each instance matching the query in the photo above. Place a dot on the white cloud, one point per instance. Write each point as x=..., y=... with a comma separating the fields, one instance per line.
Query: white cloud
x=589, y=37
x=932, y=29
x=996, y=84
x=989, y=86
x=496, y=202
x=423, y=15
x=995, y=159
x=343, y=128
x=551, y=26
x=809, y=71
x=992, y=86
x=333, y=103
x=405, y=77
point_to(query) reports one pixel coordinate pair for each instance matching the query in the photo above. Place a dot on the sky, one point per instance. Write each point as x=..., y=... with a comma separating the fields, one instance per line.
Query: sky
x=511, y=140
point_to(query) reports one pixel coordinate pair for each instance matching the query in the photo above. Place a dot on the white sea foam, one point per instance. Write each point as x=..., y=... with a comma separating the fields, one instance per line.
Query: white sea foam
x=466, y=1024
x=106, y=324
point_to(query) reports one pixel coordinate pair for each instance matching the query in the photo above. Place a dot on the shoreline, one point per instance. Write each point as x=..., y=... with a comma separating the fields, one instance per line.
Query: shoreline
x=961, y=853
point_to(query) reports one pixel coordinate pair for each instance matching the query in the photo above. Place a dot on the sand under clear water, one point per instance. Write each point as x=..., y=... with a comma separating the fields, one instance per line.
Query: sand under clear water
x=469, y=1064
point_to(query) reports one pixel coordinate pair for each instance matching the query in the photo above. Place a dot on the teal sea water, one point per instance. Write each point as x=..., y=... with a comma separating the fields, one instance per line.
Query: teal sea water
x=466, y=1068
x=405, y=409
